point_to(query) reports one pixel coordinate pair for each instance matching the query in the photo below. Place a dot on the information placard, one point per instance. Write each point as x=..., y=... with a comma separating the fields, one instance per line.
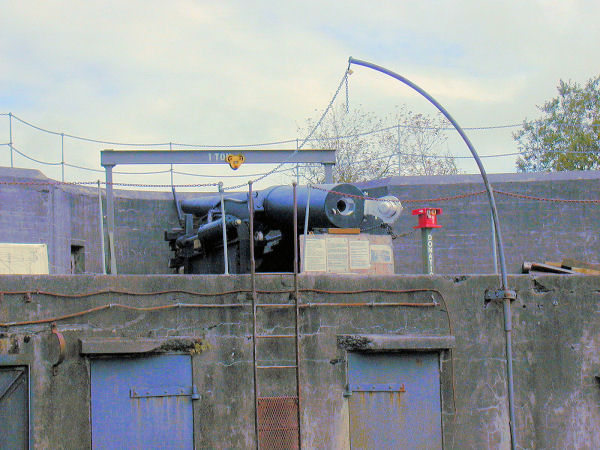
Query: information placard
x=23, y=259
x=337, y=254
x=381, y=254
x=360, y=257
x=315, y=259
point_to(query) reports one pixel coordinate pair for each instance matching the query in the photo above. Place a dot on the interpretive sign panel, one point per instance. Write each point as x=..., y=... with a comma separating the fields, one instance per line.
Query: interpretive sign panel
x=337, y=254
x=23, y=259
x=316, y=255
x=359, y=254
x=352, y=253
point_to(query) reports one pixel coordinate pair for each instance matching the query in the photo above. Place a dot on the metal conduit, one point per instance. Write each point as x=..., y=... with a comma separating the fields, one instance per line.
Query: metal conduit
x=253, y=287
x=504, y=279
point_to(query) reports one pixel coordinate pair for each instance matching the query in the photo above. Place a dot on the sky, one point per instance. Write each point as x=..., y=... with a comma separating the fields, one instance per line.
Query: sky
x=233, y=72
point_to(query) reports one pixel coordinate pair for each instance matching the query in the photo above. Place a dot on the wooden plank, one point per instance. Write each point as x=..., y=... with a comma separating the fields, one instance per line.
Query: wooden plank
x=578, y=269
x=585, y=271
x=539, y=267
x=570, y=263
x=343, y=230
x=554, y=263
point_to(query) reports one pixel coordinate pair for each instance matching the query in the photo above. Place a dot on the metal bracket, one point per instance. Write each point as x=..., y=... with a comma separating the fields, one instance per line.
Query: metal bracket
x=167, y=391
x=62, y=346
x=377, y=387
x=500, y=294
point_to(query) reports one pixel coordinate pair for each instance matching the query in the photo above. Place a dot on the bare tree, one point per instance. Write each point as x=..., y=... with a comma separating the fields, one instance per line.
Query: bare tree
x=369, y=147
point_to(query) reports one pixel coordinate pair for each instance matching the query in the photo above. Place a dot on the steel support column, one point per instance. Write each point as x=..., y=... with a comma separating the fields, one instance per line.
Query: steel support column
x=110, y=217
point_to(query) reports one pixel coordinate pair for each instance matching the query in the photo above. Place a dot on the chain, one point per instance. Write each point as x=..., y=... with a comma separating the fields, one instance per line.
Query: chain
x=347, y=96
x=390, y=231
x=395, y=236
x=543, y=199
x=83, y=183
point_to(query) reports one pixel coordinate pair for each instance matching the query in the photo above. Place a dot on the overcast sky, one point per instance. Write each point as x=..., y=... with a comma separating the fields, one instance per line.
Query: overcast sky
x=246, y=72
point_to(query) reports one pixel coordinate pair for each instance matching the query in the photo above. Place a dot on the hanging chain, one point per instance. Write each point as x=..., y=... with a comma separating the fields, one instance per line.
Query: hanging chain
x=390, y=231
x=347, y=104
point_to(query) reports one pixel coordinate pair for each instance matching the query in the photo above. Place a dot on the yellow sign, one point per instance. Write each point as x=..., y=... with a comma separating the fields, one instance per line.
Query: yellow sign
x=23, y=259
x=235, y=161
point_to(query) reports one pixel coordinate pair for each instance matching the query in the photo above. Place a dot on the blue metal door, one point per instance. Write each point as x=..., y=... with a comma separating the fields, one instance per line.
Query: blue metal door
x=395, y=401
x=14, y=407
x=142, y=403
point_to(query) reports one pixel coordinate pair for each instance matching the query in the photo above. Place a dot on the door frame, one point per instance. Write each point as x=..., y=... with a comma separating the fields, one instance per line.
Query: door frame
x=116, y=348
x=395, y=343
x=23, y=361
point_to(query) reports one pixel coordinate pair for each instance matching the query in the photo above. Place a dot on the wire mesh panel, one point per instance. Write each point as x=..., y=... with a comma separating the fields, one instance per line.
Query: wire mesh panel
x=278, y=423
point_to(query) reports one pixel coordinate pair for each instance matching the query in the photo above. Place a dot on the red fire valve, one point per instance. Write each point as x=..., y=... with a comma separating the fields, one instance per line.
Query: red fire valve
x=427, y=217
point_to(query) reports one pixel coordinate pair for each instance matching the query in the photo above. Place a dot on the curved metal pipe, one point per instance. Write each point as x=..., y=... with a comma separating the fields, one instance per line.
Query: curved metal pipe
x=490, y=193
x=488, y=188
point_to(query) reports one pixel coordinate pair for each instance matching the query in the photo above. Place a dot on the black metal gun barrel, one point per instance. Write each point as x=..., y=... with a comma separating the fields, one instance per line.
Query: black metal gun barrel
x=211, y=231
x=340, y=205
x=335, y=205
x=201, y=205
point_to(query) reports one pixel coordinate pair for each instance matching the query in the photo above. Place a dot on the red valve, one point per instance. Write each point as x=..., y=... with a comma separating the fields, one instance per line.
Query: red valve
x=427, y=217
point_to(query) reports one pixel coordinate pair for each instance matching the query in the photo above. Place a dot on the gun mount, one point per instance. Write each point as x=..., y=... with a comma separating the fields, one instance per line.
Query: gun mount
x=198, y=246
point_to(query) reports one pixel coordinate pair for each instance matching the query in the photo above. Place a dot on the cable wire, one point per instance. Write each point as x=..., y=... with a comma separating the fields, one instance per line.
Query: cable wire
x=24, y=155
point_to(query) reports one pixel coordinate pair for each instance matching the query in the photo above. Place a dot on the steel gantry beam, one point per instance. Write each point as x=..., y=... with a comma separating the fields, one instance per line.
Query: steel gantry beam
x=111, y=158
x=115, y=157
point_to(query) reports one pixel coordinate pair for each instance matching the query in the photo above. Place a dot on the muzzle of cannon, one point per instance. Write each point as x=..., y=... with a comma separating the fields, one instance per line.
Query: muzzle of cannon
x=198, y=246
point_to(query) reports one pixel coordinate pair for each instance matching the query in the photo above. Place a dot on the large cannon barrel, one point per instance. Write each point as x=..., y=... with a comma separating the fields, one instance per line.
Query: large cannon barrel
x=201, y=205
x=335, y=205
x=339, y=205
x=197, y=246
x=209, y=232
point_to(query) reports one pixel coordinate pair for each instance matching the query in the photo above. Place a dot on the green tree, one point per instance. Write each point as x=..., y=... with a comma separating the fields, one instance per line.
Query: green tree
x=369, y=147
x=567, y=136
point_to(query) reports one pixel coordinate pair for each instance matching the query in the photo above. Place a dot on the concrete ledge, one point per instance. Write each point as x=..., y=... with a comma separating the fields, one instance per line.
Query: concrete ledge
x=394, y=342
x=112, y=346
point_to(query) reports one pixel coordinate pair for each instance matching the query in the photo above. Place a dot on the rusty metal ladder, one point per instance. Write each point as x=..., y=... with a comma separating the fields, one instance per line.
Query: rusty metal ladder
x=277, y=417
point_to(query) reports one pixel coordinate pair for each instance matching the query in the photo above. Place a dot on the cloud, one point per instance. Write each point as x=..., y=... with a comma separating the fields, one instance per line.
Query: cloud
x=217, y=72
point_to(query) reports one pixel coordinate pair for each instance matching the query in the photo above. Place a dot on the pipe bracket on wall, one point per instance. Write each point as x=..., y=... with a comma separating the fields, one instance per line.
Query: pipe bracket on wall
x=62, y=346
x=500, y=294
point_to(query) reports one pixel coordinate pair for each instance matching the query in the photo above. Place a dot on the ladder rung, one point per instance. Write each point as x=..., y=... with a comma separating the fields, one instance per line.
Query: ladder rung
x=275, y=336
x=276, y=367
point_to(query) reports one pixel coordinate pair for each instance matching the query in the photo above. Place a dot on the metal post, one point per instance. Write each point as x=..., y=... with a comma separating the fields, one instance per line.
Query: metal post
x=297, y=165
x=427, y=250
x=62, y=155
x=501, y=259
x=101, y=229
x=494, y=249
x=399, y=161
x=225, y=258
x=297, y=311
x=328, y=173
x=110, y=219
x=171, y=149
x=253, y=284
x=306, y=216
x=10, y=141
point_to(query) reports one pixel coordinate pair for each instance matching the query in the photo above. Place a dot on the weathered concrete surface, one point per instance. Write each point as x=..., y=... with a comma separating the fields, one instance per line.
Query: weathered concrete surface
x=532, y=230
x=556, y=360
x=61, y=216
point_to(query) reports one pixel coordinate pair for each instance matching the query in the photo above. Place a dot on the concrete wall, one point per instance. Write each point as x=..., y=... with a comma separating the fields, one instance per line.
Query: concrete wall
x=62, y=216
x=556, y=359
x=532, y=230
x=34, y=211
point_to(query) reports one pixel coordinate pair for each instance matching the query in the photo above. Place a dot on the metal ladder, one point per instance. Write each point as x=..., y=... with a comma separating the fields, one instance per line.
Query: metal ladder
x=277, y=417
